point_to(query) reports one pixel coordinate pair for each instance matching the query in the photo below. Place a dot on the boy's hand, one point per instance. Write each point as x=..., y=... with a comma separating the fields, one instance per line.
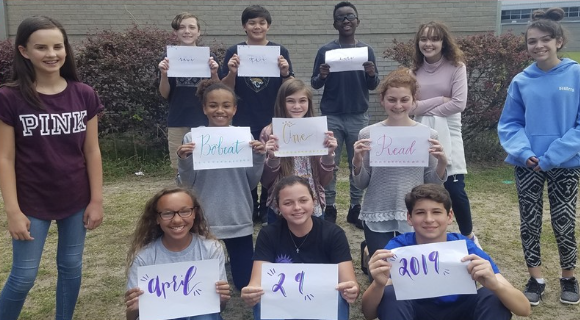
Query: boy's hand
x=481, y=271
x=234, y=63
x=380, y=267
x=349, y=290
x=271, y=146
x=185, y=150
x=164, y=66
x=369, y=68
x=132, y=299
x=324, y=71
x=284, y=66
x=213, y=66
x=258, y=147
x=222, y=288
x=252, y=295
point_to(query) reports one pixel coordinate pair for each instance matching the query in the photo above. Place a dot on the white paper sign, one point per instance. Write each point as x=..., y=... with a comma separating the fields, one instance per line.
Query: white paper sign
x=431, y=270
x=178, y=290
x=299, y=291
x=399, y=146
x=347, y=59
x=300, y=136
x=221, y=147
x=187, y=61
x=258, y=61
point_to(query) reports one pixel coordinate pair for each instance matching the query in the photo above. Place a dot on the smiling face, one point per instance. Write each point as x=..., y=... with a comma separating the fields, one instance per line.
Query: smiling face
x=46, y=50
x=219, y=107
x=188, y=32
x=297, y=104
x=430, y=220
x=543, y=48
x=342, y=24
x=176, y=231
x=398, y=102
x=430, y=45
x=256, y=30
x=296, y=205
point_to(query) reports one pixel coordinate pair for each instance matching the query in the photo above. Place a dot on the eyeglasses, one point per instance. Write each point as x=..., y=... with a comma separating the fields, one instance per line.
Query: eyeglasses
x=183, y=213
x=349, y=17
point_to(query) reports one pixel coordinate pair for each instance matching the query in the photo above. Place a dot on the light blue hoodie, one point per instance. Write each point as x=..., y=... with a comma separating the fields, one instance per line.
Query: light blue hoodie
x=541, y=117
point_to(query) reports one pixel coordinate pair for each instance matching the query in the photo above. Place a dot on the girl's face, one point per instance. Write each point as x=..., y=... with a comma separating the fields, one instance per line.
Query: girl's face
x=295, y=204
x=188, y=32
x=397, y=102
x=176, y=229
x=543, y=48
x=297, y=104
x=220, y=108
x=46, y=51
x=430, y=46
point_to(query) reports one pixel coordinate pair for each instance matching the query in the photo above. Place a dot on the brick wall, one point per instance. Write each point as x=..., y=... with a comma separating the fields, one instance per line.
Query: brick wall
x=301, y=26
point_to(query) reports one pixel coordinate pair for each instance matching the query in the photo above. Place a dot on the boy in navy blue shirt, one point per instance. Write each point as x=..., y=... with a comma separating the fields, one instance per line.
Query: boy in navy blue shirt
x=429, y=213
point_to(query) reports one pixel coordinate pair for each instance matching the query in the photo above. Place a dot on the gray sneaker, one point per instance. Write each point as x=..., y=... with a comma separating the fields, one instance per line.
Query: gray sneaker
x=569, y=291
x=534, y=291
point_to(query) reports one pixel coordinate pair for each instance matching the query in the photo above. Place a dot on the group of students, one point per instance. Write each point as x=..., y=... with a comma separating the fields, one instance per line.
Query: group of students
x=46, y=108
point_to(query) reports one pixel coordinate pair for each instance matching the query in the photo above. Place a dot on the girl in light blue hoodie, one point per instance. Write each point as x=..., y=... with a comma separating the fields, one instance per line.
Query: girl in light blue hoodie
x=540, y=130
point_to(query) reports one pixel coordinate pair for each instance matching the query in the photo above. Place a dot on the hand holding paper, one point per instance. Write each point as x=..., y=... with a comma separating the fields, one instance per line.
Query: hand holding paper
x=380, y=267
x=481, y=271
x=348, y=59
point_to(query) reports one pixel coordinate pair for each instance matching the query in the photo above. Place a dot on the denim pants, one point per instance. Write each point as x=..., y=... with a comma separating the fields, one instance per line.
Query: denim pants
x=241, y=251
x=211, y=316
x=455, y=185
x=346, y=128
x=26, y=259
x=343, y=309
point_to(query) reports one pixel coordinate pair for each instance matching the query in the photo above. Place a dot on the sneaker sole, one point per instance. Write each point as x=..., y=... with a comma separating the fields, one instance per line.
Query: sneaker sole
x=537, y=302
x=569, y=302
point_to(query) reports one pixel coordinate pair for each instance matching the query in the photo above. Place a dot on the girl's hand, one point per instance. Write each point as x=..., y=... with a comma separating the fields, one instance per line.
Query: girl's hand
x=93, y=216
x=19, y=226
x=360, y=148
x=222, y=287
x=349, y=290
x=330, y=142
x=258, y=147
x=234, y=63
x=380, y=267
x=437, y=151
x=213, y=66
x=532, y=162
x=252, y=295
x=185, y=150
x=164, y=66
x=272, y=146
x=284, y=66
x=132, y=299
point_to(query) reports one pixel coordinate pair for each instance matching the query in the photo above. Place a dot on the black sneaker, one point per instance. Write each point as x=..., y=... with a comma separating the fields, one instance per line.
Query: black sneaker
x=534, y=291
x=569, y=293
x=330, y=213
x=353, y=213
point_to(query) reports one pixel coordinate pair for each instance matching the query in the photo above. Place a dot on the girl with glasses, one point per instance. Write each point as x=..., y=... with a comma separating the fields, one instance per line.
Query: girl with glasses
x=172, y=228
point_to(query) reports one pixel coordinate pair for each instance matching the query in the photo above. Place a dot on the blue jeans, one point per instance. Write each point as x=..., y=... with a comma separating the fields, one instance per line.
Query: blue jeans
x=455, y=185
x=26, y=259
x=343, y=309
x=211, y=316
x=346, y=128
x=241, y=251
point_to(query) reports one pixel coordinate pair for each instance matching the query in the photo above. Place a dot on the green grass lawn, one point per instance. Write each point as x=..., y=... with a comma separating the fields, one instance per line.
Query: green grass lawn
x=572, y=55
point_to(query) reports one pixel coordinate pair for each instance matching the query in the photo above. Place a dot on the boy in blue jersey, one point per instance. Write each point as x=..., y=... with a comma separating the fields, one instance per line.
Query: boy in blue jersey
x=429, y=213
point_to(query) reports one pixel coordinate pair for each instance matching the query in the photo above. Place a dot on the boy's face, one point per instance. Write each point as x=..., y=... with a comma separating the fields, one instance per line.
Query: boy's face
x=430, y=221
x=345, y=21
x=256, y=29
x=188, y=32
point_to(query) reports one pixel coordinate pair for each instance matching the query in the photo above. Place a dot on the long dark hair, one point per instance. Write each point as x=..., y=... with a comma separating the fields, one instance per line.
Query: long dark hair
x=23, y=74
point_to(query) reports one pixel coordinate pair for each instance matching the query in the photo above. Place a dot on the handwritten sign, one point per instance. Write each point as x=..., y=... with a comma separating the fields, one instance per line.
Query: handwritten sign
x=431, y=270
x=221, y=147
x=399, y=146
x=258, y=61
x=299, y=291
x=178, y=290
x=187, y=61
x=300, y=136
x=349, y=59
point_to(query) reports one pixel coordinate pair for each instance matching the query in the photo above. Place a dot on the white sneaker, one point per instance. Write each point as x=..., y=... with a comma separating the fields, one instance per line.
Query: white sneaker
x=476, y=241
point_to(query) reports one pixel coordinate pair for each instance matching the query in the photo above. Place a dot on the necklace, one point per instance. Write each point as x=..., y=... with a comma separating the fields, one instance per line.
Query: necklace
x=294, y=243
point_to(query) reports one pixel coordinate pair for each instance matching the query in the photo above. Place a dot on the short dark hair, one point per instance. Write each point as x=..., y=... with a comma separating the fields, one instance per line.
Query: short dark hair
x=209, y=85
x=256, y=11
x=549, y=21
x=182, y=16
x=343, y=4
x=428, y=191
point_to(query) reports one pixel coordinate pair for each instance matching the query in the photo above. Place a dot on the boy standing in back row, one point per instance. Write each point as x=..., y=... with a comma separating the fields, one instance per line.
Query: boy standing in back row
x=345, y=102
x=256, y=95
